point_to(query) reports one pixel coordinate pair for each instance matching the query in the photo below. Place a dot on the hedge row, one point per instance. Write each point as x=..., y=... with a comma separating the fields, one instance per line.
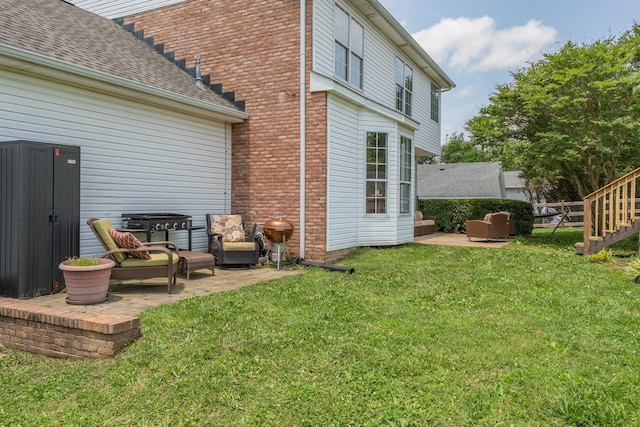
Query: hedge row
x=451, y=212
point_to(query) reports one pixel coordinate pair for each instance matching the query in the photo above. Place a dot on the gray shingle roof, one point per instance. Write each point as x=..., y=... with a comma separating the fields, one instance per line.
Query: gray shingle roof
x=512, y=179
x=460, y=180
x=67, y=33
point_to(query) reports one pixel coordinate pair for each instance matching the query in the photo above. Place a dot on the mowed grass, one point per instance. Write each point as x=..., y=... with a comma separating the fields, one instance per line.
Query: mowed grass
x=527, y=335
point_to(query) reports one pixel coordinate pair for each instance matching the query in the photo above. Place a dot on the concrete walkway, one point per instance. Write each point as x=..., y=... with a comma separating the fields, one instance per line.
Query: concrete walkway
x=457, y=239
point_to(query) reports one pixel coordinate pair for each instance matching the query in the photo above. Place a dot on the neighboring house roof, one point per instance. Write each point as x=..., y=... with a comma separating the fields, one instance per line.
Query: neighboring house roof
x=460, y=180
x=73, y=44
x=513, y=180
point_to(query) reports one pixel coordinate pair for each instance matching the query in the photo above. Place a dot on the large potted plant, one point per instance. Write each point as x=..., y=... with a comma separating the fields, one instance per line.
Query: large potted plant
x=87, y=279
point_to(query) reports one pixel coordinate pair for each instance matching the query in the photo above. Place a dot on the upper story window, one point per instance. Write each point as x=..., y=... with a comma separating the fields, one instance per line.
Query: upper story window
x=349, y=47
x=404, y=87
x=435, y=103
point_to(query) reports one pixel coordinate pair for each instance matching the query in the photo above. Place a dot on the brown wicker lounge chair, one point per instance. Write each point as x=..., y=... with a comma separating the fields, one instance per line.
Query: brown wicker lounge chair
x=494, y=226
x=229, y=242
x=163, y=262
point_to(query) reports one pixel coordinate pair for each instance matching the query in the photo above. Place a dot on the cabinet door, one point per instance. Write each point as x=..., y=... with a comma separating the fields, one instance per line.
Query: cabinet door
x=35, y=220
x=66, y=207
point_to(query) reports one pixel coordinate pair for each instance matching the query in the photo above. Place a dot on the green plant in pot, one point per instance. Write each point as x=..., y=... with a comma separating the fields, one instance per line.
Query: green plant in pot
x=86, y=279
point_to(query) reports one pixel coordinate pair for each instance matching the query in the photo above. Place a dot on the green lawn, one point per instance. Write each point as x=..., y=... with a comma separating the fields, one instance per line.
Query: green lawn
x=527, y=335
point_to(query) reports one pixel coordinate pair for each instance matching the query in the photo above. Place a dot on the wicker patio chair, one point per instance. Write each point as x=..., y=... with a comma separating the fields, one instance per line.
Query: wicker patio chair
x=494, y=226
x=158, y=261
x=229, y=242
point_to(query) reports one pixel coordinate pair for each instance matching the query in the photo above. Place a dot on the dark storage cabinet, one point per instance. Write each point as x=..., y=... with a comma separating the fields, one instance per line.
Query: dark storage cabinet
x=39, y=215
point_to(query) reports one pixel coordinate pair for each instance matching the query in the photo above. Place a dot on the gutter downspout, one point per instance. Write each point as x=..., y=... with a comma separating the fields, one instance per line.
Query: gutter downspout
x=303, y=125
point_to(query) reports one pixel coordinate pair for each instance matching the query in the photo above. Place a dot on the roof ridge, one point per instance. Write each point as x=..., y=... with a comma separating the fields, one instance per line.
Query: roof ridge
x=181, y=63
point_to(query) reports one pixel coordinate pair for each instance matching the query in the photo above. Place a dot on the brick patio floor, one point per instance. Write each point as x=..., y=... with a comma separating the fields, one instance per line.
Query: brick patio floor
x=132, y=297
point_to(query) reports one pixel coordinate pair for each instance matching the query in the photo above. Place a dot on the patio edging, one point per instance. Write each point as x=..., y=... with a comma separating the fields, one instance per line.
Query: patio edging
x=64, y=333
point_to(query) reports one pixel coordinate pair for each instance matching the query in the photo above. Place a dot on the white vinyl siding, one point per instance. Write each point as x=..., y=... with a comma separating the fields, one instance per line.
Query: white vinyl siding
x=379, y=71
x=134, y=158
x=343, y=176
x=119, y=8
x=348, y=225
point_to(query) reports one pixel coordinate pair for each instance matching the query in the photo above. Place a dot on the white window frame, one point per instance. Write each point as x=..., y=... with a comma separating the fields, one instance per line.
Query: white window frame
x=435, y=103
x=348, y=47
x=405, y=150
x=404, y=87
x=377, y=173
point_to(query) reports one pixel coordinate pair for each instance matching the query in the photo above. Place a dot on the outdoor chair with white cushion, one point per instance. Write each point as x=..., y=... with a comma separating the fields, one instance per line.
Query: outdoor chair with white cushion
x=229, y=242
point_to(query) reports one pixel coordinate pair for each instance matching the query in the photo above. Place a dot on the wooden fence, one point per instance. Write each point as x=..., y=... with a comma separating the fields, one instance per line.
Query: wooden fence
x=574, y=219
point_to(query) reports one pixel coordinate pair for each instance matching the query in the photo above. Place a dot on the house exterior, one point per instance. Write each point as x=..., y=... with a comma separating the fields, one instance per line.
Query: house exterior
x=516, y=187
x=481, y=180
x=150, y=139
x=340, y=97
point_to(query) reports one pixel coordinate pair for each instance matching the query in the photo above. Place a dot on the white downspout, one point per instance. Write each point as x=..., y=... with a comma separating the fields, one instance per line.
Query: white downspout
x=303, y=121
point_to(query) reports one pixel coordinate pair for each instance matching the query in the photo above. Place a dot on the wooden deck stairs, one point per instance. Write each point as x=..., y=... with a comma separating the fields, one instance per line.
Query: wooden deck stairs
x=610, y=214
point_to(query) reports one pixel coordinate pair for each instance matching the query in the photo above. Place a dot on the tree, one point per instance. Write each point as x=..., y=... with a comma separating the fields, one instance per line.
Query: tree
x=573, y=116
x=458, y=150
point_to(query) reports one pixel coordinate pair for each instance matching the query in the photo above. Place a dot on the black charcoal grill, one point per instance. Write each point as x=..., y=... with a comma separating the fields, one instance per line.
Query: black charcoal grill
x=150, y=222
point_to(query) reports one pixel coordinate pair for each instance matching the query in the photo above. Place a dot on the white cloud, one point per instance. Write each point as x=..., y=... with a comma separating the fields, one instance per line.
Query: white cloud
x=476, y=45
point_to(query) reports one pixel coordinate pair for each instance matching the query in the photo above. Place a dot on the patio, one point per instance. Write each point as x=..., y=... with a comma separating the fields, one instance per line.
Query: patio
x=48, y=325
x=457, y=239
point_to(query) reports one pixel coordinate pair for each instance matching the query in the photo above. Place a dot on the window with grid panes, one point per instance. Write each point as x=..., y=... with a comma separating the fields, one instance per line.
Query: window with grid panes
x=349, y=47
x=435, y=103
x=404, y=87
x=405, y=174
x=376, y=186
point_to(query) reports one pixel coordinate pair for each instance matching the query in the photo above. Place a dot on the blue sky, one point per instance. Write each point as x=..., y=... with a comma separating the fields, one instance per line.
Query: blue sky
x=479, y=42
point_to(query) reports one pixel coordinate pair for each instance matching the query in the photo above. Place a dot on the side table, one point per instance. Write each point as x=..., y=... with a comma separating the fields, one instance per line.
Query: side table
x=193, y=261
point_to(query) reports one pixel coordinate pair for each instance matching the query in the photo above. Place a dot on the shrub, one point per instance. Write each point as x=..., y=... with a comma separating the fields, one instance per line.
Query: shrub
x=451, y=212
x=633, y=270
x=602, y=256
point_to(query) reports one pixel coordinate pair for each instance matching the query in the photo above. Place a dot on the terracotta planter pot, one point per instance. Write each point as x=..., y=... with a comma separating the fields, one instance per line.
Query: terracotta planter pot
x=87, y=284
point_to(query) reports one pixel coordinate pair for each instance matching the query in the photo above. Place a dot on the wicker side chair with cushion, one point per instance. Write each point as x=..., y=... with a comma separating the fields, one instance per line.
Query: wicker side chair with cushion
x=229, y=242
x=423, y=224
x=512, y=222
x=136, y=260
x=494, y=226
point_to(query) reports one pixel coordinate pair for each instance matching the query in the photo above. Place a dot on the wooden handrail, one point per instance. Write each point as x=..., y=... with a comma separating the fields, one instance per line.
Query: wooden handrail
x=610, y=207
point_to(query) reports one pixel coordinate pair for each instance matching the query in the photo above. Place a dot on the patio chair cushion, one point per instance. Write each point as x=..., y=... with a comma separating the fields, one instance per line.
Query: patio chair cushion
x=154, y=260
x=229, y=227
x=102, y=227
x=239, y=246
x=129, y=241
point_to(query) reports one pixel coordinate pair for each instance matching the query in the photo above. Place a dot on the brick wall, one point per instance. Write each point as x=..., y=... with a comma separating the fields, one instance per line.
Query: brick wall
x=27, y=326
x=252, y=48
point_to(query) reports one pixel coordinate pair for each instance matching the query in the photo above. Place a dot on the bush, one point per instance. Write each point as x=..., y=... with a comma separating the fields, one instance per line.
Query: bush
x=633, y=270
x=451, y=212
x=603, y=256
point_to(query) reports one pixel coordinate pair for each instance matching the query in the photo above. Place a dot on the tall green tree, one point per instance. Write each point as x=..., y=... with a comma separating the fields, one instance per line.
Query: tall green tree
x=458, y=150
x=573, y=116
